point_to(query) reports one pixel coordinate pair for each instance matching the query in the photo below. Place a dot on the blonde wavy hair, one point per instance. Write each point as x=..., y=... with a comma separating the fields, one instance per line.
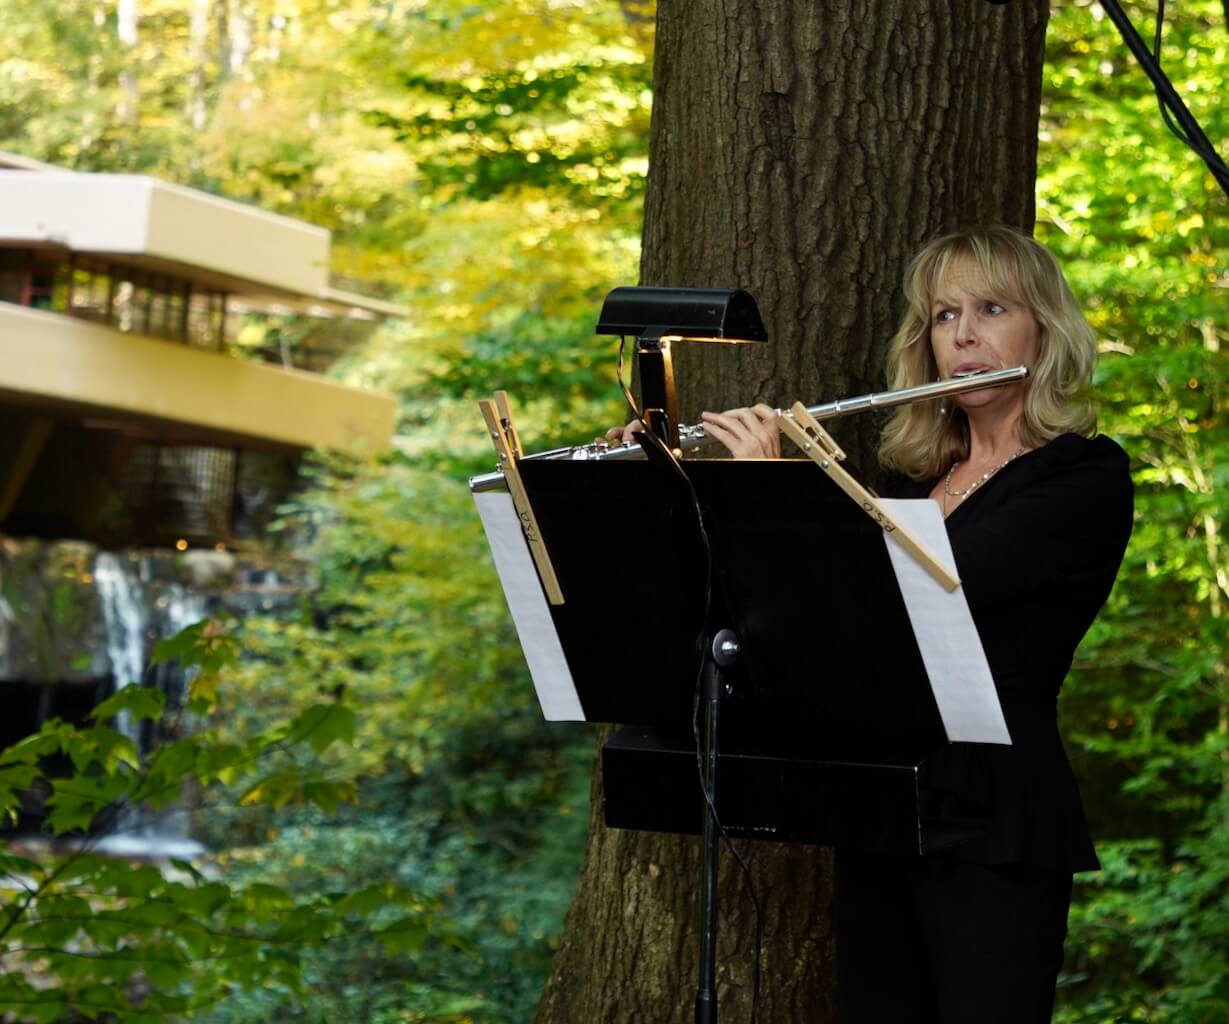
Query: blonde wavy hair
x=923, y=439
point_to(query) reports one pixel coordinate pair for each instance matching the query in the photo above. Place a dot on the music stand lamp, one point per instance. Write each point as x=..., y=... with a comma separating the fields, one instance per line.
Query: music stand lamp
x=659, y=317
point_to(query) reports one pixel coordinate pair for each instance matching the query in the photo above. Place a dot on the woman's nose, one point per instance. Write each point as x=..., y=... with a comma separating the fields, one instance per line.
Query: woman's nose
x=966, y=333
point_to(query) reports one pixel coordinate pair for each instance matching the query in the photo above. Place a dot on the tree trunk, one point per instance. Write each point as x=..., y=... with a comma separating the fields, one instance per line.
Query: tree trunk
x=126, y=22
x=801, y=149
x=239, y=26
x=198, y=50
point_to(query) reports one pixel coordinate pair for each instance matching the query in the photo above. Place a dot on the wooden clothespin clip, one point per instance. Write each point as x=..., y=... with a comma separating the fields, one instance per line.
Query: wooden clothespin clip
x=505, y=418
x=498, y=416
x=804, y=430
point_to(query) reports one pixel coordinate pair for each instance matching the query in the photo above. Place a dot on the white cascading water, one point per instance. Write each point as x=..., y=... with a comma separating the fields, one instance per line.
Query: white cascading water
x=126, y=621
x=130, y=626
x=178, y=608
x=184, y=609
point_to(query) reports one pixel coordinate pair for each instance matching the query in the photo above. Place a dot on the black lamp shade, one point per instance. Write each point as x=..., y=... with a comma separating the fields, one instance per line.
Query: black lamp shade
x=729, y=314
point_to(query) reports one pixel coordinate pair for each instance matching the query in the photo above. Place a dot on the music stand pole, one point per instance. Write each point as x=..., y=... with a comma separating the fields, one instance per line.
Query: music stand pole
x=722, y=653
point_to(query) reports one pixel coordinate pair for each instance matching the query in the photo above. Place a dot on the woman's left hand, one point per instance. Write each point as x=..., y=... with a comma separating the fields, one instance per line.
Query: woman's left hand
x=747, y=433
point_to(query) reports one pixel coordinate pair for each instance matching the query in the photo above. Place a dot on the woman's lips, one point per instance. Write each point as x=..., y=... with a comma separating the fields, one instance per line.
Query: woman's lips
x=969, y=369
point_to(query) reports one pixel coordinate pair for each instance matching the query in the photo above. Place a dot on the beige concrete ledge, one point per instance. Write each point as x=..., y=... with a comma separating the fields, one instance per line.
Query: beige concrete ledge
x=55, y=362
x=133, y=215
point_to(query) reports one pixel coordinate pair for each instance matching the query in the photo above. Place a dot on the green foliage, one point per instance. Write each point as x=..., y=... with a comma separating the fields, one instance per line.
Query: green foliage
x=494, y=95
x=1152, y=930
x=1141, y=228
x=513, y=197
x=468, y=797
x=487, y=165
x=489, y=832
x=97, y=936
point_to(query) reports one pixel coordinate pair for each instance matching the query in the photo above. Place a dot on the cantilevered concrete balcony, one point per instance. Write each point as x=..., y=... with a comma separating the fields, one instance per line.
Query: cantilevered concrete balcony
x=143, y=223
x=64, y=366
x=129, y=416
x=102, y=274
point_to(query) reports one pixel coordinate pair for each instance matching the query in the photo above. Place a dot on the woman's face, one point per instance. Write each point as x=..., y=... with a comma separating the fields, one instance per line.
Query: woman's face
x=972, y=329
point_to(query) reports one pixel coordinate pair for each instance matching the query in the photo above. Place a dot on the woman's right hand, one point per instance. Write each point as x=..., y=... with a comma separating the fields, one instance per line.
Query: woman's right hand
x=621, y=435
x=750, y=433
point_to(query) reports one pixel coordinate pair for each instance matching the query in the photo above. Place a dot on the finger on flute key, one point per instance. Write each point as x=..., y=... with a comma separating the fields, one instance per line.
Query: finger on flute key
x=747, y=433
x=622, y=435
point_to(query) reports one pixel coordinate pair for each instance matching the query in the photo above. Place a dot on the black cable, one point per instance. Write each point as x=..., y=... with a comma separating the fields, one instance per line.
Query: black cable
x=660, y=447
x=627, y=392
x=1166, y=116
x=705, y=627
x=1189, y=131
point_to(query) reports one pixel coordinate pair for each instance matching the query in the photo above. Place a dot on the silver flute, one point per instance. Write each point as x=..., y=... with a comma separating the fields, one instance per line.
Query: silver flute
x=692, y=436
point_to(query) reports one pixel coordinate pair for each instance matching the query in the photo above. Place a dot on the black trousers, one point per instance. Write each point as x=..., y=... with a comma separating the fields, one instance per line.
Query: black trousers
x=931, y=940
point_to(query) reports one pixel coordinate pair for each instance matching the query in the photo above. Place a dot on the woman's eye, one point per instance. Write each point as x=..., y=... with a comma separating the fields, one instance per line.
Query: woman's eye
x=944, y=316
x=993, y=308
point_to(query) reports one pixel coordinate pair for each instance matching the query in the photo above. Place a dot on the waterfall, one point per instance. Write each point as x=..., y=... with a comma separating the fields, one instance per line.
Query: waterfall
x=180, y=609
x=76, y=622
x=175, y=609
x=131, y=624
x=126, y=627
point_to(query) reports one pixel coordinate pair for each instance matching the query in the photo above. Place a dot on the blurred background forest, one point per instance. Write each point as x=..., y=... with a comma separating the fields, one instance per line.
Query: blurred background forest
x=394, y=834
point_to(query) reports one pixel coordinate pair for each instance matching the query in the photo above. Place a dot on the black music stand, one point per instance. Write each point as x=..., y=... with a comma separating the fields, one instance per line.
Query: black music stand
x=802, y=575
x=831, y=717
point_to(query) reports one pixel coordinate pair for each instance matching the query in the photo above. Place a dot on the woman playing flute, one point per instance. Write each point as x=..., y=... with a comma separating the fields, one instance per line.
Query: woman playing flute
x=1039, y=509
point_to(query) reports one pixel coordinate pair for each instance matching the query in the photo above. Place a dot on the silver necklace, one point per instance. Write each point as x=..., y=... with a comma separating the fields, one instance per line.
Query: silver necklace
x=947, y=480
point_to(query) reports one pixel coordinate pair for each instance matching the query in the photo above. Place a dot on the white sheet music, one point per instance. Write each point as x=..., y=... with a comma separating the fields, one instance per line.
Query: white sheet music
x=946, y=634
x=530, y=613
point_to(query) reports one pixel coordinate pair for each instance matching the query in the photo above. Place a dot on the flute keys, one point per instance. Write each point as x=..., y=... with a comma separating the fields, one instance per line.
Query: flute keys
x=590, y=451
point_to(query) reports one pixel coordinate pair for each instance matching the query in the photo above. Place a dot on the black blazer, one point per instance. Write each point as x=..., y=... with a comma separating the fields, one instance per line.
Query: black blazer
x=1038, y=547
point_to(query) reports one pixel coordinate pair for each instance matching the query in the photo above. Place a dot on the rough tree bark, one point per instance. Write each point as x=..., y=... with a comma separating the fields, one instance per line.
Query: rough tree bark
x=801, y=149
